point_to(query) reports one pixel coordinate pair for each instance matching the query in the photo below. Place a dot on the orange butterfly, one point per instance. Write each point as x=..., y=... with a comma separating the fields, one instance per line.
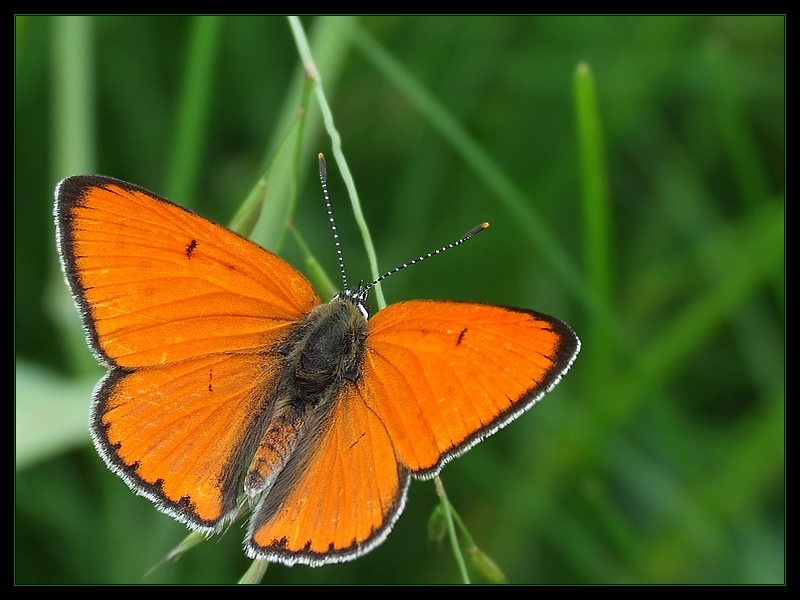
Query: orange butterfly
x=227, y=374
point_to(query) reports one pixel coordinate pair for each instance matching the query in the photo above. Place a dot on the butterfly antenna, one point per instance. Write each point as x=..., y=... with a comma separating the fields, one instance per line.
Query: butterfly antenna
x=471, y=233
x=323, y=179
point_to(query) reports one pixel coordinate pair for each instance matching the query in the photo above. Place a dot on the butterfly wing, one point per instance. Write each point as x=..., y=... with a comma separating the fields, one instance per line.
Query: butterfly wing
x=338, y=496
x=183, y=312
x=441, y=376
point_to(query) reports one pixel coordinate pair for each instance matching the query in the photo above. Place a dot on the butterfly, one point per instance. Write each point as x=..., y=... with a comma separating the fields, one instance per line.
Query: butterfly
x=228, y=378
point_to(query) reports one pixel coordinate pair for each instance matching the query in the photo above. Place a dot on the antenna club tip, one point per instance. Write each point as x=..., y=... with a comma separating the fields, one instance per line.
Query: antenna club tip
x=323, y=168
x=484, y=225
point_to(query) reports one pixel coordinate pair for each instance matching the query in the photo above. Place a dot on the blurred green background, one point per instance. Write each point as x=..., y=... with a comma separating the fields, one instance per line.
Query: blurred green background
x=640, y=200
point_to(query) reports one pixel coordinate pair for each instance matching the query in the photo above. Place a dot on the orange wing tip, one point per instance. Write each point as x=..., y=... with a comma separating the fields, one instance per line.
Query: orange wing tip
x=569, y=347
x=69, y=192
x=277, y=552
x=72, y=192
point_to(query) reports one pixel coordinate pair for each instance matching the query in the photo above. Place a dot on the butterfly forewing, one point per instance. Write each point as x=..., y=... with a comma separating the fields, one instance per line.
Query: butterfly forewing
x=443, y=375
x=157, y=283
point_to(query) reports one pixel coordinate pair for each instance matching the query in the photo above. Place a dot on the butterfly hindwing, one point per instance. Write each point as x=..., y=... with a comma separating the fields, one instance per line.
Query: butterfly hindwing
x=181, y=434
x=338, y=496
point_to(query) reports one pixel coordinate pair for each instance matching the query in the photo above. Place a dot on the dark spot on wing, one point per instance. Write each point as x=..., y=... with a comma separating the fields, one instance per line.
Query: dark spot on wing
x=190, y=247
x=461, y=336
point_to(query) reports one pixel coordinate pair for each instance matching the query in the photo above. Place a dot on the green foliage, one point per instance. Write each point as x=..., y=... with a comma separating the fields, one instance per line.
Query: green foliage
x=639, y=197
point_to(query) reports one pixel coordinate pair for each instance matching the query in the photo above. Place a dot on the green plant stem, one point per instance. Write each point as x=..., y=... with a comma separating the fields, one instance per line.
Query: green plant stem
x=336, y=142
x=451, y=530
x=193, y=110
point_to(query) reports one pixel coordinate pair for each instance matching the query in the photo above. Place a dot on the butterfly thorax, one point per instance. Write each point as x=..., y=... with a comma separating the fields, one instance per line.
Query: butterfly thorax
x=324, y=351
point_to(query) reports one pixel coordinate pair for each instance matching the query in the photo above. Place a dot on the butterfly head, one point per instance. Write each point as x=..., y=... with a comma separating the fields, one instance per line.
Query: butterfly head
x=357, y=297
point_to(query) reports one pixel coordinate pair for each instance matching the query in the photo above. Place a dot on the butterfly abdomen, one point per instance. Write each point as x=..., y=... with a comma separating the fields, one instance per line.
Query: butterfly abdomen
x=275, y=448
x=320, y=354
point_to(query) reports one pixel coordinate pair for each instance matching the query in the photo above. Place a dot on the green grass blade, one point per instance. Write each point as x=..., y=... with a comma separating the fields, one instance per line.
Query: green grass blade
x=336, y=141
x=193, y=110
